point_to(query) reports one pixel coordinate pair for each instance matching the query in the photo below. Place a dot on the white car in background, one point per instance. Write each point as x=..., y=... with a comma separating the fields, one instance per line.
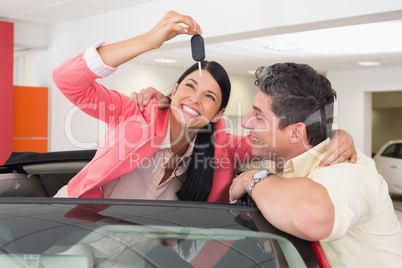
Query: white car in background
x=389, y=164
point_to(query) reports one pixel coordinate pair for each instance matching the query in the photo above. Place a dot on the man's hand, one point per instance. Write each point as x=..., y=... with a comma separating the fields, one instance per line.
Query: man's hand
x=240, y=185
x=340, y=149
x=145, y=95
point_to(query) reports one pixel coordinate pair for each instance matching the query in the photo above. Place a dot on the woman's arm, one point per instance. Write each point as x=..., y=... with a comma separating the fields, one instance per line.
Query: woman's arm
x=76, y=77
x=171, y=25
x=77, y=83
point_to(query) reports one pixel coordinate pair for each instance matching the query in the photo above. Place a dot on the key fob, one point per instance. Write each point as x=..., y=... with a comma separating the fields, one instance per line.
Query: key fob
x=197, y=47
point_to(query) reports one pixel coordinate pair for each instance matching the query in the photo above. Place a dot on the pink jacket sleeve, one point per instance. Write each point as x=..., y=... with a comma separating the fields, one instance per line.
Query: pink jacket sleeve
x=77, y=82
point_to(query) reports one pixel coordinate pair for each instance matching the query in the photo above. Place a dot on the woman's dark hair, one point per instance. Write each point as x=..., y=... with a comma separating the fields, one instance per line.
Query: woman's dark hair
x=200, y=169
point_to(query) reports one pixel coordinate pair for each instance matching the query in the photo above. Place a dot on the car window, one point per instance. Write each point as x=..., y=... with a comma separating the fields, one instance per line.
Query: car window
x=161, y=246
x=143, y=233
x=399, y=155
x=393, y=150
x=180, y=246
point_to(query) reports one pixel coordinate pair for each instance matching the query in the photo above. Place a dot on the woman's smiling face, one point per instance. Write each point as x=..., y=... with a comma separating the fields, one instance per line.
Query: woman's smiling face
x=196, y=100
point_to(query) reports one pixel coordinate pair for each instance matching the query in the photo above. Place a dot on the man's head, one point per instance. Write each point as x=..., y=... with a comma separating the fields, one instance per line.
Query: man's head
x=299, y=102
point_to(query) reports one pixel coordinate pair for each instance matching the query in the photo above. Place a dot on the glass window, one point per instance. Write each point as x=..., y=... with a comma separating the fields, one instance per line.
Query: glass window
x=162, y=246
x=154, y=235
x=400, y=151
x=390, y=151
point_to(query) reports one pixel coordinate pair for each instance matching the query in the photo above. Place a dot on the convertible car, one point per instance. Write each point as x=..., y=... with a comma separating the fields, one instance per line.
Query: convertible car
x=39, y=231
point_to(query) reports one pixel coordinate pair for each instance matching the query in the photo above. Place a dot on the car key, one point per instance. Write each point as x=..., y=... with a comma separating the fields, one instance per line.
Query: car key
x=198, y=49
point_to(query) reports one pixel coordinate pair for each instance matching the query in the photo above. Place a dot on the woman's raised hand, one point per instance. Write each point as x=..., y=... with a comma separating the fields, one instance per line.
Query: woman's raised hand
x=171, y=25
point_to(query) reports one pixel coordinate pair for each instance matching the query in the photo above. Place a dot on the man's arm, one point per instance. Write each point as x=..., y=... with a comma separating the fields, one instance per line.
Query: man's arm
x=298, y=206
x=146, y=94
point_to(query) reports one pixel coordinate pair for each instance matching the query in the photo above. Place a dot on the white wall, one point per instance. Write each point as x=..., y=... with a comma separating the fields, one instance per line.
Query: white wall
x=354, y=89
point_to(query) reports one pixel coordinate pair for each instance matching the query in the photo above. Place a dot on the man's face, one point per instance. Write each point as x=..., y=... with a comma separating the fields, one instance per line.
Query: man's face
x=268, y=140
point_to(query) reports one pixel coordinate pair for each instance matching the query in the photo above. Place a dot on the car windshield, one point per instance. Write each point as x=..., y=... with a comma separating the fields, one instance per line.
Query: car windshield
x=151, y=235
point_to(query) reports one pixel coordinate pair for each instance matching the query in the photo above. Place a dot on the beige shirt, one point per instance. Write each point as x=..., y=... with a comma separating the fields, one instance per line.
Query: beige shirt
x=145, y=181
x=366, y=230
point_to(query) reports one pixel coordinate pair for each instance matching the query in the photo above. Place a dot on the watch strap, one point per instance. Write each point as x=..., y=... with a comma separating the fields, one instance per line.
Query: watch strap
x=256, y=180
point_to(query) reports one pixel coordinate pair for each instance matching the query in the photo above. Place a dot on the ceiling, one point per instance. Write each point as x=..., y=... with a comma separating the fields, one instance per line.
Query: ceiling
x=49, y=12
x=325, y=49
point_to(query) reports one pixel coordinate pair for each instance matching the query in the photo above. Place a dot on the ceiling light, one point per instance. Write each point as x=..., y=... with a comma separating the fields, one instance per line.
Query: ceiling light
x=368, y=63
x=161, y=60
x=252, y=72
x=281, y=47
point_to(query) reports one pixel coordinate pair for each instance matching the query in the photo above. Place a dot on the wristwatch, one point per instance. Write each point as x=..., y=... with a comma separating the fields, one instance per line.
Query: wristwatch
x=257, y=177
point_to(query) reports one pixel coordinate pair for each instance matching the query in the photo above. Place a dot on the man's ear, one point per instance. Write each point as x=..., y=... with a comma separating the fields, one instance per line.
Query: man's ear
x=298, y=133
x=218, y=116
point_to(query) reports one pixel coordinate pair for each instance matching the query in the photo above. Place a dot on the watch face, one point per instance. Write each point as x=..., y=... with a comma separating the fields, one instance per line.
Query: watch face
x=260, y=174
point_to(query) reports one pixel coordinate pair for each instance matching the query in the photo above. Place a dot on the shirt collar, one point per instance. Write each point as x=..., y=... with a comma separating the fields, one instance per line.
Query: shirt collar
x=303, y=164
x=165, y=144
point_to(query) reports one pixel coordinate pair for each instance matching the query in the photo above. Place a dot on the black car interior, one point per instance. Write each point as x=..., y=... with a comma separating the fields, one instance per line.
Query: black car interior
x=31, y=174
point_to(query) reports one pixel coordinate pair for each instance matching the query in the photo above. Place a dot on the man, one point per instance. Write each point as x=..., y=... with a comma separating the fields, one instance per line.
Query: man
x=347, y=207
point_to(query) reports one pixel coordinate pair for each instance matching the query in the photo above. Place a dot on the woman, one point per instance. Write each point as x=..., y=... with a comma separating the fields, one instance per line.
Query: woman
x=178, y=153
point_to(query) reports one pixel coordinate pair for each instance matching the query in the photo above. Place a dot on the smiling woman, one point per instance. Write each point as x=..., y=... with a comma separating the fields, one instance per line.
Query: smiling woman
x=152, y=153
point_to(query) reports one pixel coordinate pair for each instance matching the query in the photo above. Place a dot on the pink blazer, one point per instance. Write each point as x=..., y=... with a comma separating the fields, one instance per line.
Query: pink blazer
x=134, y=136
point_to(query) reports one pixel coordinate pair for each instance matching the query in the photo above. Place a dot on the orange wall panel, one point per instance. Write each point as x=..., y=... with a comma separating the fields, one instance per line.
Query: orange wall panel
x=30, y=119
x=26, y=145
